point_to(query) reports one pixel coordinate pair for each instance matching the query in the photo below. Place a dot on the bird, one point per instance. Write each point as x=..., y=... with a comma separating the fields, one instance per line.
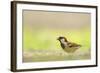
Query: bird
x=68, y=47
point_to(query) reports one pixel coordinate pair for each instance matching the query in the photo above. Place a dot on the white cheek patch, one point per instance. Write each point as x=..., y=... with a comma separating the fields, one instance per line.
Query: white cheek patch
x=63, y=41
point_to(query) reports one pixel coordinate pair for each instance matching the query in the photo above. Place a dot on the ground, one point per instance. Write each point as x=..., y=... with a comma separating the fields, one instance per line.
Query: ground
x=54, y=55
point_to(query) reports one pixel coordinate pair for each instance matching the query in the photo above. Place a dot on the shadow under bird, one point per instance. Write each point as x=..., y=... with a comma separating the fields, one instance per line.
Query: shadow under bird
x=67, y=46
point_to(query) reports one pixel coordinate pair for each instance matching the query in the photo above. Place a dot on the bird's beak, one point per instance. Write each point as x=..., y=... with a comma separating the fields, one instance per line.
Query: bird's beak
x=57, y=38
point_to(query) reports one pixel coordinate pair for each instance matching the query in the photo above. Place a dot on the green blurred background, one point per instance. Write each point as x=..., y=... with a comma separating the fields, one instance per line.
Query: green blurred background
x=42, y=28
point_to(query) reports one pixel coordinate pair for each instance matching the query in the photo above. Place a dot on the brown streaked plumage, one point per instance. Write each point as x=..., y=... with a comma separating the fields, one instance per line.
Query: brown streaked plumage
x=67, y=46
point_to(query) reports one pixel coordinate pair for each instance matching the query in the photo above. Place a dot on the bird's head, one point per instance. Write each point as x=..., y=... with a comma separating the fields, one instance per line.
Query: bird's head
x=61, y=38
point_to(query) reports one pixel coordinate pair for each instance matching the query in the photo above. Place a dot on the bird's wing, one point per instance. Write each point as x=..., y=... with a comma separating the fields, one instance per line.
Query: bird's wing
x=70, y=44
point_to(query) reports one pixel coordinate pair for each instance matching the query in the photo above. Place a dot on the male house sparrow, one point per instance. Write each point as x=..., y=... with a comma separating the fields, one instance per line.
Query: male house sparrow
x=67, y=46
